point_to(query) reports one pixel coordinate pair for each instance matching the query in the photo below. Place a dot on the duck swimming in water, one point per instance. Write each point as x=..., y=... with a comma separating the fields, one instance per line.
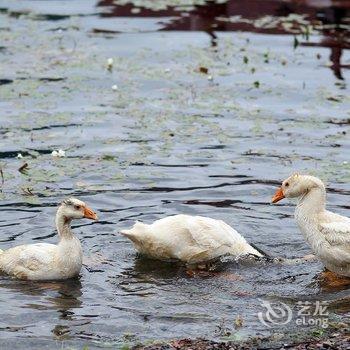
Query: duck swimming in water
x=44, y=261
x=190, y=239
x=327, y=233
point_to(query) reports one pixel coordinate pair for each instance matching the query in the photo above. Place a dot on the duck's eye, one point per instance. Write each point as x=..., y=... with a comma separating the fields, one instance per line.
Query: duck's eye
x=287, y=184
x=77, y=207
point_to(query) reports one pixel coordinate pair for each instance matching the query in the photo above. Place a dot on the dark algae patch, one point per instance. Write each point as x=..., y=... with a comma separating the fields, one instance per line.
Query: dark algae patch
x=146, y=109
x=5, y=81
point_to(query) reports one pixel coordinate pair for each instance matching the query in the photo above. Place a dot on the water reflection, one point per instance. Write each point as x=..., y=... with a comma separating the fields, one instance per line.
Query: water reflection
x=146, y=273
x=147, y=269
x=62, y=296
x=256, y=16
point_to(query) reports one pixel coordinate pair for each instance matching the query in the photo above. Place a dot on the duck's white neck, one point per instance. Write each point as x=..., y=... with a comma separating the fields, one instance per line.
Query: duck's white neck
x=313, y=202
x=69, y=252
x=306, y=214
x=63, y=226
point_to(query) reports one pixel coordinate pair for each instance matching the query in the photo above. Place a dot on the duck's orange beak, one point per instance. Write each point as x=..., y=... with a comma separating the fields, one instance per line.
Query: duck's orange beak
x=89, y=214
x=278, y=196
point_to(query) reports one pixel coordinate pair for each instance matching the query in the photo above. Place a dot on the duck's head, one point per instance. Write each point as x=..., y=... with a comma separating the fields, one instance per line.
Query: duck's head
x=297, y=186
x=73, y=208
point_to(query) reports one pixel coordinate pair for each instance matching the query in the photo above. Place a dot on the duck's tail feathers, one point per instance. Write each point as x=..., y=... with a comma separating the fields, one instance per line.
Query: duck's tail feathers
x=128, y=233
x=136, y=232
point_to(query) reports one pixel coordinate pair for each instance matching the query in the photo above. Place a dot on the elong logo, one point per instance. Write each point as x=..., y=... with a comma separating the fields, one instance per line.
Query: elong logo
x=308, y=314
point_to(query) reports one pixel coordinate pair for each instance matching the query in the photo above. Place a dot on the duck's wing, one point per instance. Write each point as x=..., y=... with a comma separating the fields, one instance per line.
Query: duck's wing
x=31, y=257
x=212, y=234
x=336, y=233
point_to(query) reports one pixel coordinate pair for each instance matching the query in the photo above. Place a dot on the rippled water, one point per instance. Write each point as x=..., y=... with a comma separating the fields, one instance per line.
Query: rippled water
x=169, y=140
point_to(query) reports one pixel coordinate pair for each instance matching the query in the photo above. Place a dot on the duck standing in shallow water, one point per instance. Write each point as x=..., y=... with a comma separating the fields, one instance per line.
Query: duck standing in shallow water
x=44, y=261
x=327, y=233
x=191, y=239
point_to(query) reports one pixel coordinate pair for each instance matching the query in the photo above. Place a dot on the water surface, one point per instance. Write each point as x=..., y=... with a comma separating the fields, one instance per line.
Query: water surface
x=171, y=138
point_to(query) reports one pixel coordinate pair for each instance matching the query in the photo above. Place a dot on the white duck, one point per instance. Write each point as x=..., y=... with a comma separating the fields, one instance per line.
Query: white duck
x=44, y=261
x=327, y=233
x=191, y=239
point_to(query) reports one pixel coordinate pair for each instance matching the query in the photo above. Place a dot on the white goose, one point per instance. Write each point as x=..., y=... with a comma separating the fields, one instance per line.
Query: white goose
x=191, y=239
x=44, y=261
x=327, y=233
